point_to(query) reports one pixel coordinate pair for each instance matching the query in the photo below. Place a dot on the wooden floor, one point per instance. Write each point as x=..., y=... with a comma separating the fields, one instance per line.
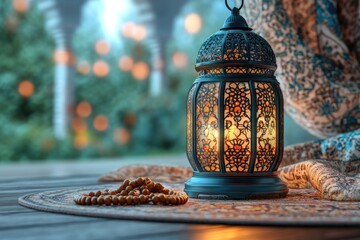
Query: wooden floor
x=17, y=222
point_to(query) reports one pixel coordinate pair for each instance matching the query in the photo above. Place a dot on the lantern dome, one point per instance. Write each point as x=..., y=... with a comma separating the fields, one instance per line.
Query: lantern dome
x=236, y=45
x=235, y=117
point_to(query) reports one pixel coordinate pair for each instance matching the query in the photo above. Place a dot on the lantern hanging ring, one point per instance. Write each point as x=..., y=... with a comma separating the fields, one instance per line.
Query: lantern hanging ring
x=228, y=6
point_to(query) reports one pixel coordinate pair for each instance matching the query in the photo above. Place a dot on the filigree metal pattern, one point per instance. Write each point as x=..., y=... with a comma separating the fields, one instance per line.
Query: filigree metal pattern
x=236, y=76
x=235, y=47
x=237, y=129
x=189, y=125
x=266, y=127
x=236, y=70
x=207, y=127
x=214, y=71
x=211, y=50
x=261, y=71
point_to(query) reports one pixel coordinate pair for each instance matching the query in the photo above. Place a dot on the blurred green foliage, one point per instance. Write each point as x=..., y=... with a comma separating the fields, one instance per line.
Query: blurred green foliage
x=138, y=123
x=26, y=123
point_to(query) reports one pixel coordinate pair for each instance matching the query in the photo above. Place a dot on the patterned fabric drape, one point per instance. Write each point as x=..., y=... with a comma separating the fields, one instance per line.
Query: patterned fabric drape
x=317, y=43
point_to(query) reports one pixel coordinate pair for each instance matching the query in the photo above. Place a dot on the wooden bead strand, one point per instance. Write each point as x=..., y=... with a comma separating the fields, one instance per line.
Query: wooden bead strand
x=140, y=191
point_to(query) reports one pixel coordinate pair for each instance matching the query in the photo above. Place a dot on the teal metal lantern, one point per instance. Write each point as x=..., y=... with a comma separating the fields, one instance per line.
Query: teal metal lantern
x=235, y=117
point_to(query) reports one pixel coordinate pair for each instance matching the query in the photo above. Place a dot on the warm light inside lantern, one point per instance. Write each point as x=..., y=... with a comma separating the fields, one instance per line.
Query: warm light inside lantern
x=237, y=131
x=237, y=114
x=234, y=115
x=266, y=126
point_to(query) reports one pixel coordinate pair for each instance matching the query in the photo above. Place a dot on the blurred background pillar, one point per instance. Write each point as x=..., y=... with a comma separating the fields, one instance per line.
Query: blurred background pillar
x=158, y=16
x=62, y=19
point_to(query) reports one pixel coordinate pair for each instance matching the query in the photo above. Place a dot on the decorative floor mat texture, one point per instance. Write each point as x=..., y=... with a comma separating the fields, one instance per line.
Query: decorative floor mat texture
x=300, y=207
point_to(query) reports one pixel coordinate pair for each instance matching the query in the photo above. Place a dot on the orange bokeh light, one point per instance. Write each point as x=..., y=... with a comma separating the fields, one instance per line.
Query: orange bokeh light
x=193, y=23
x=180, y=59
x=81, y=141
x=101, y=123
x=102, y=47
x=127, y=29
x=126, y=63
x=26, y=88
x=62, y=56
x=101, y=69
x=140, y=71
x=79, y=125
x=21, y=6
x=121, y=136
x=135, y=31
x=83, y=109
x=139, y=33
x=83, y=68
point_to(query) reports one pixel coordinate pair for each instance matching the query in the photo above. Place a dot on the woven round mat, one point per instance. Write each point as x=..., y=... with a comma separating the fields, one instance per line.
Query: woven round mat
x=300, y=207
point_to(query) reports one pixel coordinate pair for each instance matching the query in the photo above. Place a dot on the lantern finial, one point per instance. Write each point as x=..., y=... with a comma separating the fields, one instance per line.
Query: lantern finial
x=235, y=20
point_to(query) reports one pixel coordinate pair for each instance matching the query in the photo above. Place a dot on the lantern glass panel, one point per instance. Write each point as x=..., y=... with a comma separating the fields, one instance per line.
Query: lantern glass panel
x=237, y=127
x=207, y=127
x=235, y=117
x=266, y=127
x=189, y=124
x=235, y=47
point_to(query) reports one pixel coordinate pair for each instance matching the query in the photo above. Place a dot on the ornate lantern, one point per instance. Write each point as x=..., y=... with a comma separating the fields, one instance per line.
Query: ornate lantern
x=235, y=117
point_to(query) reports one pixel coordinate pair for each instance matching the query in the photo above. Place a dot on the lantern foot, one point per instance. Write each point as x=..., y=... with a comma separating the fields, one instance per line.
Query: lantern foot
x=227, y=186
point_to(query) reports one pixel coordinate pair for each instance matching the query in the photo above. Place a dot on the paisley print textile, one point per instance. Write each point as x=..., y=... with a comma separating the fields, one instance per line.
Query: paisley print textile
x=317, y=47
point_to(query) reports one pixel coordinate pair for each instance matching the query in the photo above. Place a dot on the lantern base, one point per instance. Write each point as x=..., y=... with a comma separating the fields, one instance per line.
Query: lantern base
x=223, y=186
